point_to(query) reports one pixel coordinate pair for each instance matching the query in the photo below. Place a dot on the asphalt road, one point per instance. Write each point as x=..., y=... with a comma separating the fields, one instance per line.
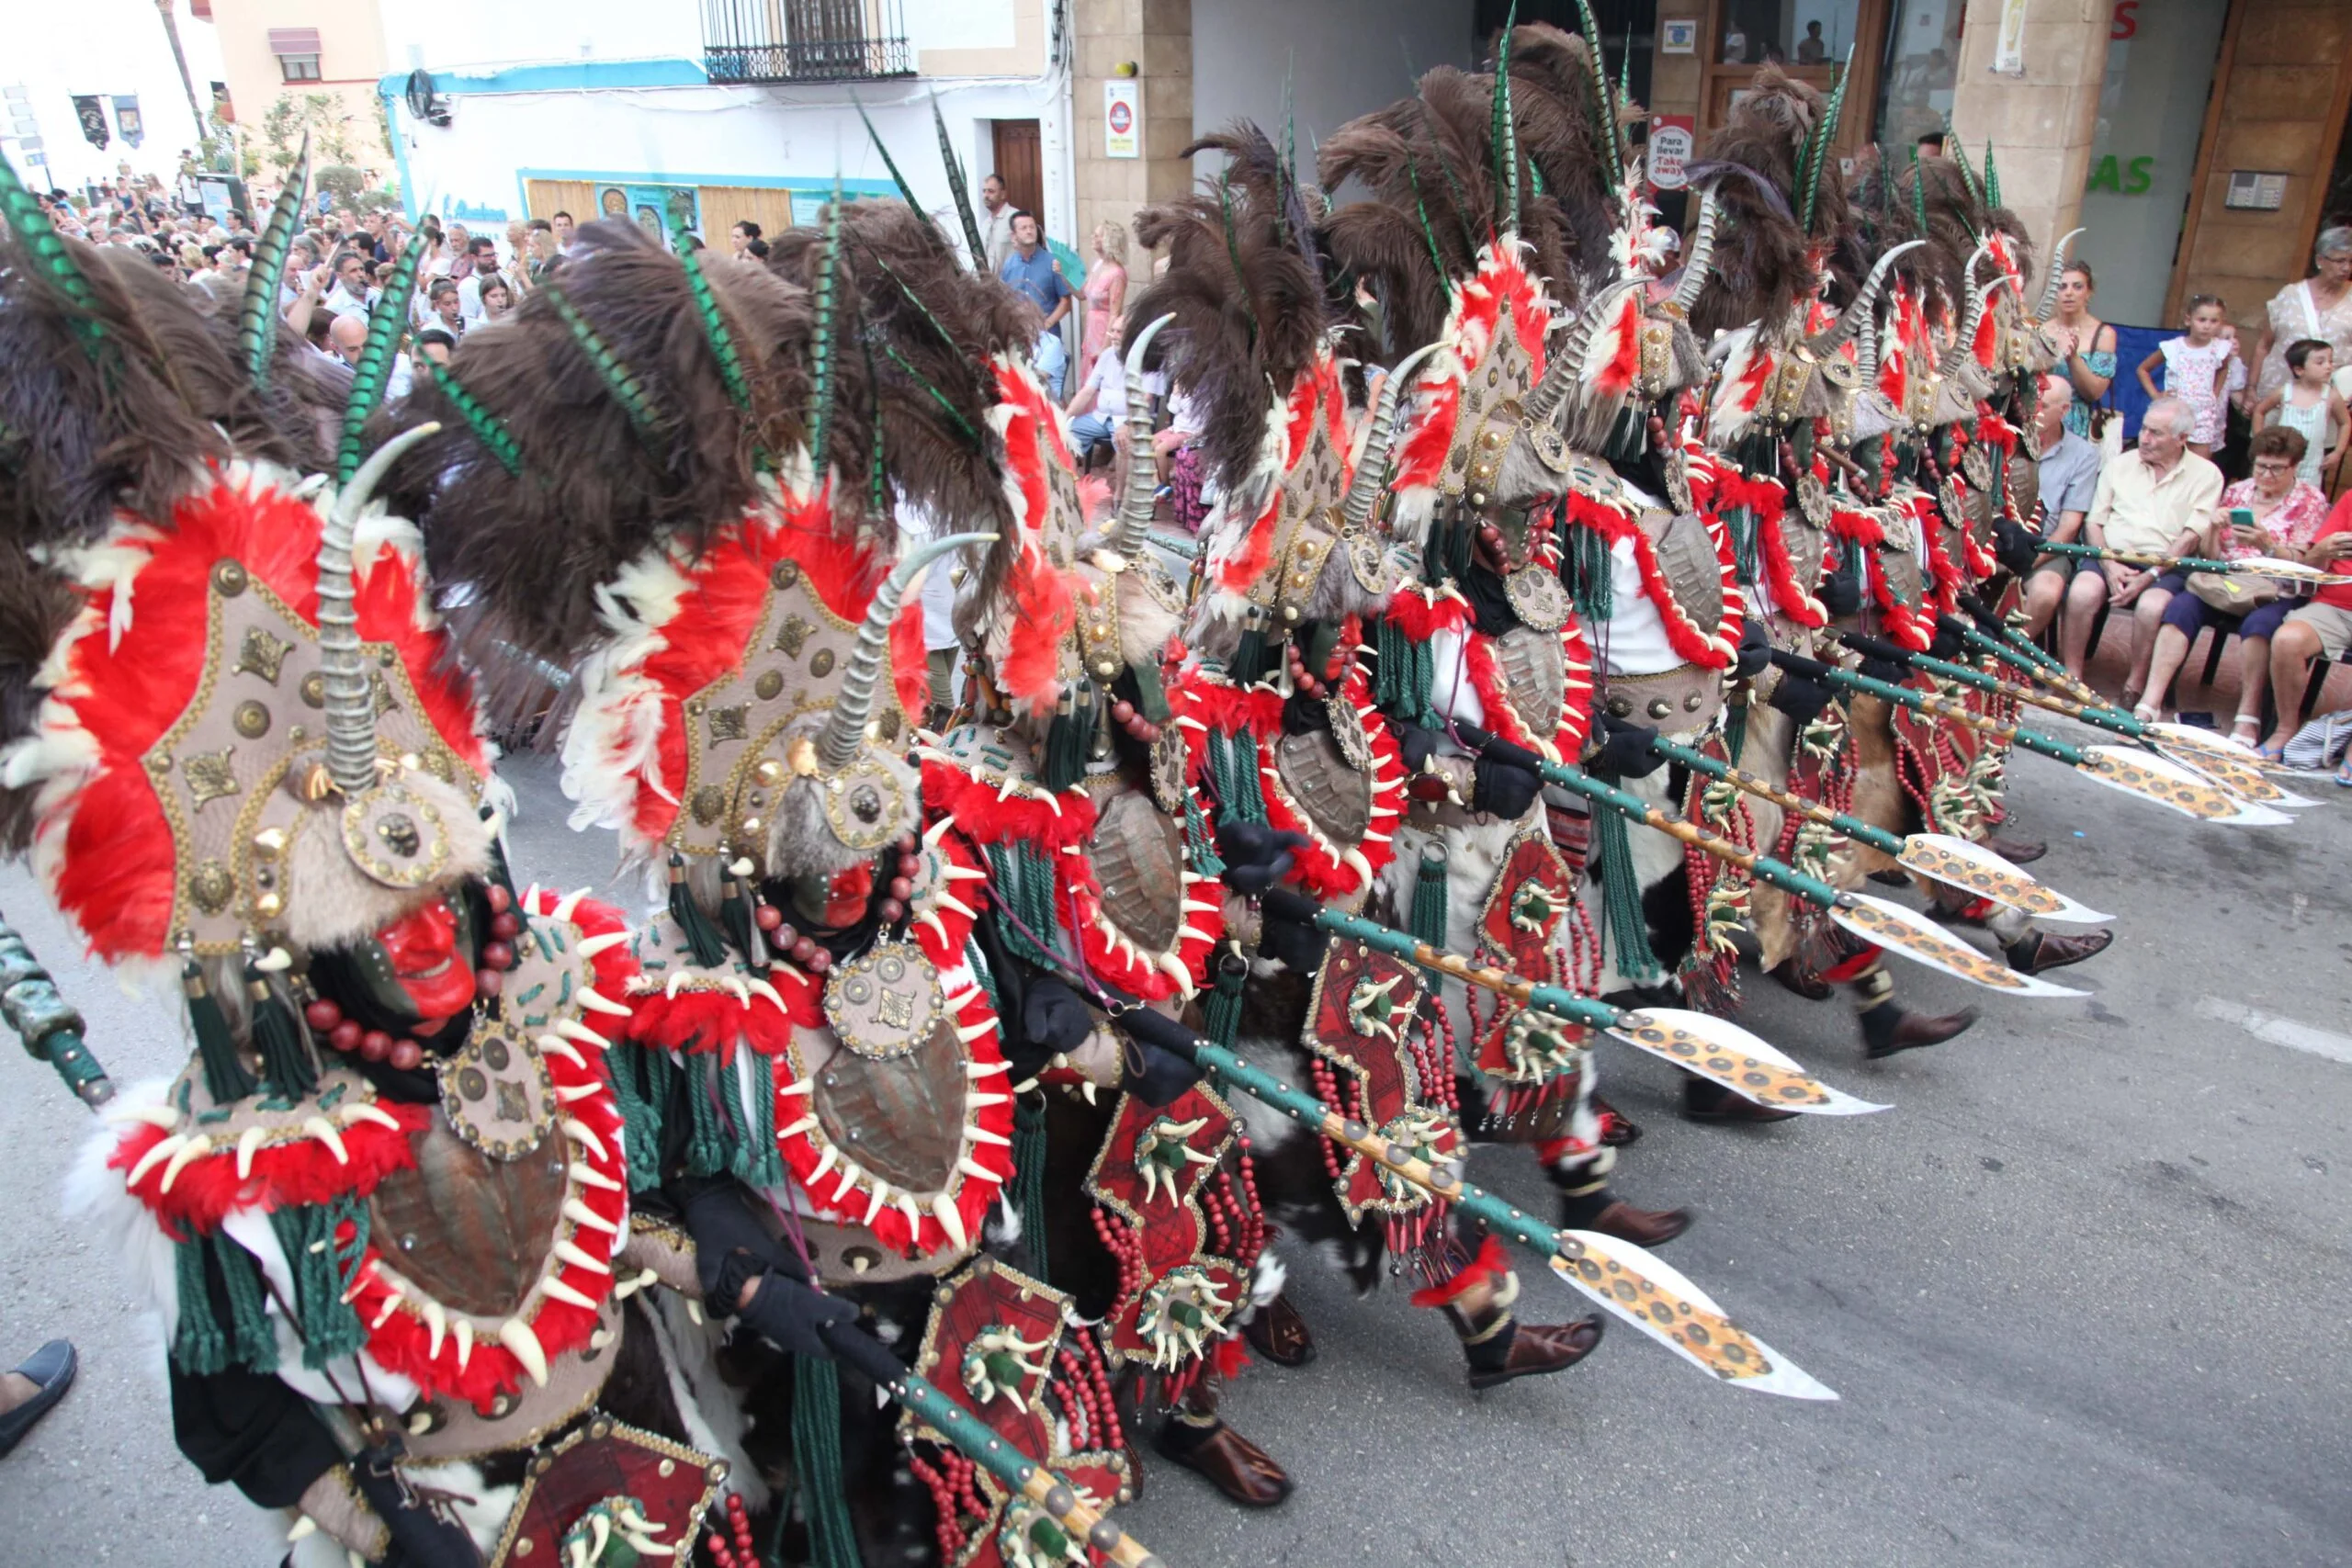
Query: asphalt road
x=2082, y=1290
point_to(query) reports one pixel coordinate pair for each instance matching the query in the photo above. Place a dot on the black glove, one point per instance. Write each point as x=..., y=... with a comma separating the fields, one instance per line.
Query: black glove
x=1841, y=595
x=1054, y=1018
x=1624, y=751
x=1755, y=651
x=2014, y=547
x=791, y=1315
x=1302, y=713
x=1502, y=789
x=1255, y=856
x=1416, y=744
x=1288, y=933
x=420, y=1538
x=1801, y=698
x=1154, y=1076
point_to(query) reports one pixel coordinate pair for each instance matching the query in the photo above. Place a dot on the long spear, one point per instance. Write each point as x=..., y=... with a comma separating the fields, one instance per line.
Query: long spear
x=1874, y=920
x=2253, y=565
x=2239, y=777
x=1969, y=867
x=2153, y=778
x=1625, y=1279
x=1713, y=1048
x=50, y=1026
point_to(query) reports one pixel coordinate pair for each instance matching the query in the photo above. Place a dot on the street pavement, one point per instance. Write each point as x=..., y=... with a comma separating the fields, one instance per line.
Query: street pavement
x=2082, y=1290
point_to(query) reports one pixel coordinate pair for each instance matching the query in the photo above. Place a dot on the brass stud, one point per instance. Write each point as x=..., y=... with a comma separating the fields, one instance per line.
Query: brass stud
x=785, y=574
x=769, y=684
x=228, y=578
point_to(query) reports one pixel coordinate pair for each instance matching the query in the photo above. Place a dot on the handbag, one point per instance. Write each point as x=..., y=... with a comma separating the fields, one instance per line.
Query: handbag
x=2232, y=593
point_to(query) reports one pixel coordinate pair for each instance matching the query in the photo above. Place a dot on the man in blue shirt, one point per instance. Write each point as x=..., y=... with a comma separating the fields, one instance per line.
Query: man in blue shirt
x=1032, y=273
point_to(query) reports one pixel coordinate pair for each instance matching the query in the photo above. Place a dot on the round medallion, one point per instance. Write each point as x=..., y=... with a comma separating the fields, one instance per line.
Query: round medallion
x=786, y=574
x=1678, y=477
x=1168, y=761
x=315, y=689
x=228, y=577
x=820, y=664
x=1346, y=730
x=1364, y=560
x=1538, y=598
x=208, y=886
x=1840, y=372
x=395, y=835
x=496, y=1092
x=1976, y=464
x=769, y=684
x=251, y=719
x=866, y=804
x=885, y=1002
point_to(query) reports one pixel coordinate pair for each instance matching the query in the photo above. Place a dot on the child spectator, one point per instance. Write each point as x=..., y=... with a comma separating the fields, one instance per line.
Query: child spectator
x=2310, y=405
x=2201, y=368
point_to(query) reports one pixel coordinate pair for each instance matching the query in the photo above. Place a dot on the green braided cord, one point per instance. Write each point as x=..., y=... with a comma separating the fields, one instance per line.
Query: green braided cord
x=51, y=256
x=906, y=191
x=1502, y=132
x=816, y=1462
x=1739, y=521
x=1620, y=899
x=1585, y=563
x=258, y=310
x=1028, y=1184
x=707, y=1145
x=253, y=1343
x=1024, y=882
x=1918, y=190
x=487, y=428
x=618, y=378
x=979, y=961
x=1612, y=138
x=756, y=1160
x=1233, y=770
x=1200, y=843
x=713, y=320
x=387, y=324
x=641, y=1122
x=198, y=1345
x=329, y=1327
x=1427, y=918
x=957, y=189
x=828, y=298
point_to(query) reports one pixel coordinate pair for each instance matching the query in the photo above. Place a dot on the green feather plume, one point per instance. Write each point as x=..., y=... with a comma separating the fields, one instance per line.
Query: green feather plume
x=1428, y=235
x=259, y=311
x=1613, y=135
x=487, y=427
x=827, y=291
x=1822, y=144
x=1992, y=180
x=960, y=191
x=387, y=322
x=906, y=191
x=1502, y=132
x=626, y=390
x=38, y=236
x=713, y=320
x=1918, y=191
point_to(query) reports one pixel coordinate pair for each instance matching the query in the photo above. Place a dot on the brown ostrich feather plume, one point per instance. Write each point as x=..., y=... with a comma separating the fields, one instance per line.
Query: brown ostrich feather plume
x=1765, y=260
x=1245, y=285
x=603, y=476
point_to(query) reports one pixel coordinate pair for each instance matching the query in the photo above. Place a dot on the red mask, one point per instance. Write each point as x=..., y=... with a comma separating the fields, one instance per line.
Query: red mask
x=437, y=980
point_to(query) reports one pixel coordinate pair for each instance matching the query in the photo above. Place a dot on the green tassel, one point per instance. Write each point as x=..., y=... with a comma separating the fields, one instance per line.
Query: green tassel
x=1069, y=739
x=703, y=939
x=957, y=189
x=487, y=428
x=329, y=1327
x=1739, y=521
x=640, y=1117
x=1736, y=728
x=817, y=1460
x=1248, y=665
x=1022, y=880
x=386, y=323
x=258, y=310
x=1151, y=695
x=1407, y=672
x=707, y=1145
x=282, y=1039
x=1585, y=567
x=1028, y=1182
x=756, y=1160
x=1223, y=1010
x=253, y=1343
x=225, y=1077
x=1427, y=917
x=197, y=1343
x=1620, y=899
x=1233, y=773
x=1200, y=844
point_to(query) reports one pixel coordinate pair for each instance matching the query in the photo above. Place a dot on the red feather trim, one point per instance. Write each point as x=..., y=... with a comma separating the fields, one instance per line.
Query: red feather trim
x=1491, y=1266
x=1903, y=622
x=972, y=804
x=1419, y=612
x=1034, y=438
x=1501, y=284
x=1043, y=612
x=284, y=1176
x=1712, y=646
x=1768, y=501
x=1322, y=868
x=1616, y=375
x=1131, y=969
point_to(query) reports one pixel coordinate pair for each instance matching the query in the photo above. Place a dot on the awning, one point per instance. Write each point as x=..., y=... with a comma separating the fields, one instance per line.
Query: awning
x=293, y=41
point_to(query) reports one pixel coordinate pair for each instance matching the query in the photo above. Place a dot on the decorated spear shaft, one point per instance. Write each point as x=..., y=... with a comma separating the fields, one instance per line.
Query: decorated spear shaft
x=50, y=1026
x=972, y=1437
x=1782, y=876
x=2022, y=655
x=1942, y=708
x=1527, y=993
x=2185, y=563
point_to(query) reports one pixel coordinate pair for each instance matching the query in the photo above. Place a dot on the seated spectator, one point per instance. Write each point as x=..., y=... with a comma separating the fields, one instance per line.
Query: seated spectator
x=2286, y=514
x=1097, y=408
x=2156, y=501
x=2319, y=626
x=2069, y=471
x=1180, y=454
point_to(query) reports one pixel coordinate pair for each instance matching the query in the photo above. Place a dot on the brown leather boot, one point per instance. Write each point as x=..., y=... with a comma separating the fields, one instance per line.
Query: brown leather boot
x=1616, y=1131
x=1797, y=975
x=1277, y=1332
x=1528, y=1349
x=2038, y=951
x=1887, y=1029
x=1703, y=1099
x=1642, y=1227
x=2017, y=852
x=1226, y=1461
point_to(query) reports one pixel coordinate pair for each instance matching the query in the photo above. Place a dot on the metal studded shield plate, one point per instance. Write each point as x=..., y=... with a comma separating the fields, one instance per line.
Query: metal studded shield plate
x=1318, y=776
x=496, y=1092
x=1813, y=500
x=1687, y=556
x=1535, y=677
x=1138, y=853
x=471, y=1231
x=902, y=1118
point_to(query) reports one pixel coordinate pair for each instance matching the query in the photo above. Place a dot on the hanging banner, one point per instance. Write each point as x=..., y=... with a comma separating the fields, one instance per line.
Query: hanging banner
x=93, y=117
x=1122, y=120
x=1673, y=138
x=127, y=120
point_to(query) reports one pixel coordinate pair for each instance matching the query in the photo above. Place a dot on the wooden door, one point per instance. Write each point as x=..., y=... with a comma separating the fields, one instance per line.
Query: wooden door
x=1020, y=164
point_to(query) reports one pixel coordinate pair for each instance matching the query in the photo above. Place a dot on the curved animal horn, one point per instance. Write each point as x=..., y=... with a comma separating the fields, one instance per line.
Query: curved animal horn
x=1965, y=340
x=845, y=726
x=350, y=693
x=1134, y=519
x=1865, y=302
x=1567, y=366
x=1700, y=259
x=2057, y=271
x=1372, y=469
